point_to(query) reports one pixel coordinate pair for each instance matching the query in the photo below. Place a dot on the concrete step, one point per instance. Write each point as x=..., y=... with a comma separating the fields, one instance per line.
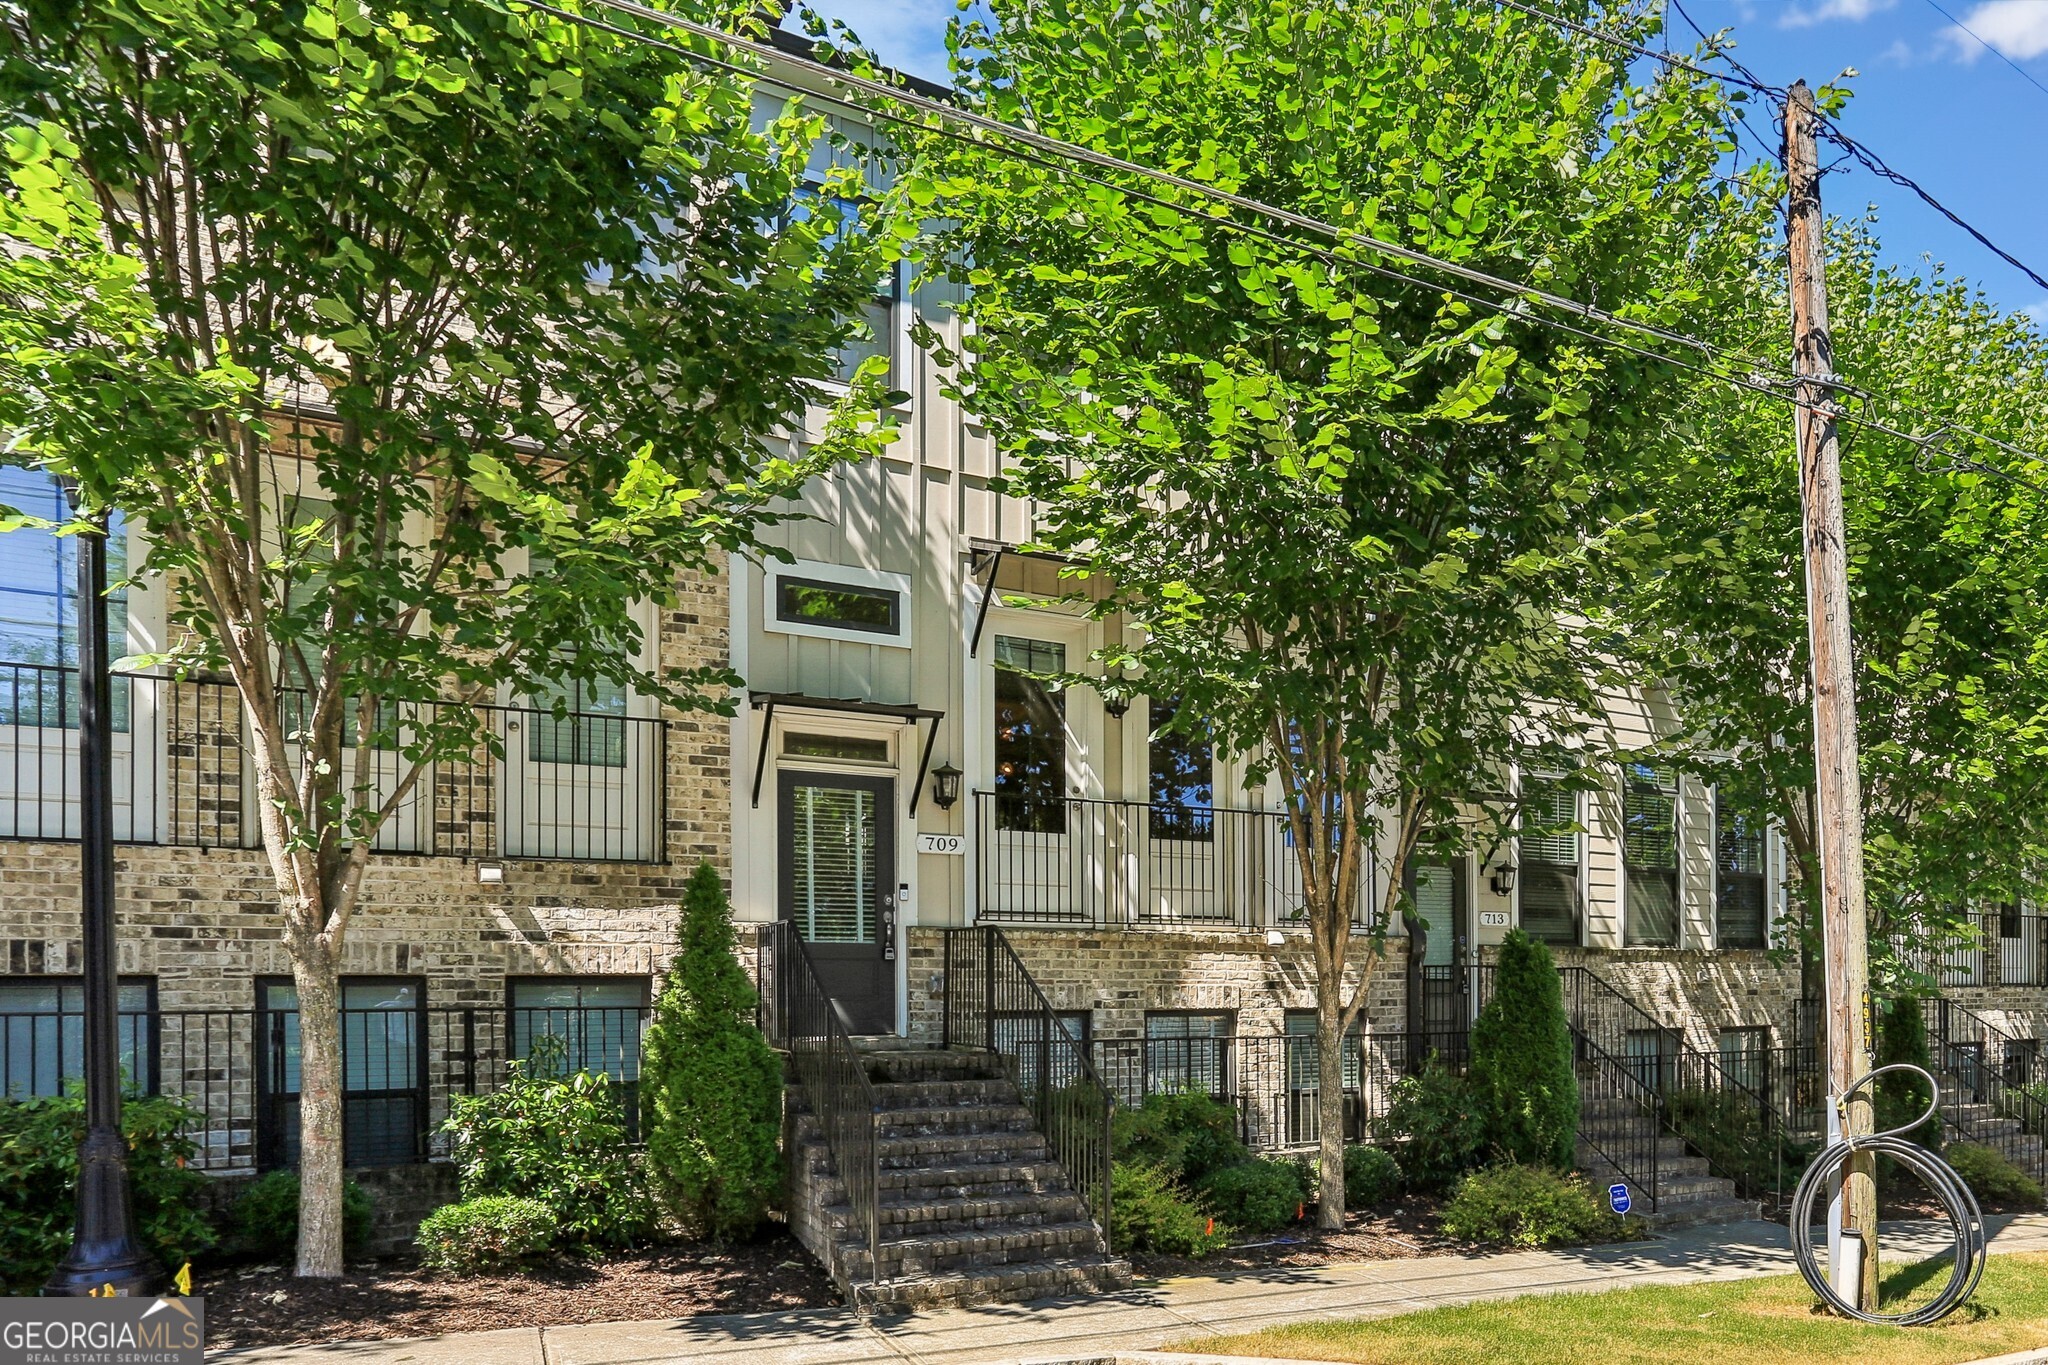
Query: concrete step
x=998, y=1284
x=979, y=1249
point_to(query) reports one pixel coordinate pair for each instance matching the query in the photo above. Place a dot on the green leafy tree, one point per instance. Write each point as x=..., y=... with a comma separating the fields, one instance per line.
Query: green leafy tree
x=1521, y=1072
x=1948, y=581
x=1343, y=519
x=357, y=315
x=710, y=1085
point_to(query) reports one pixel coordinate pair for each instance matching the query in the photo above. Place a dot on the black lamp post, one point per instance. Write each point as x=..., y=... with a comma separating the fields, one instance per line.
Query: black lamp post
x=104, y=1248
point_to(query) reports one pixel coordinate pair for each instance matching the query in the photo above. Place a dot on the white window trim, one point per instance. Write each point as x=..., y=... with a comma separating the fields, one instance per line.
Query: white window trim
x=848, y=576
x=1679, y=812
x=1579, y=865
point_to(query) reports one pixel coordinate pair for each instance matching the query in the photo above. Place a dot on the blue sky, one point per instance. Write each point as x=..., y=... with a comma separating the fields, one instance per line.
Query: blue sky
x=1936, y=103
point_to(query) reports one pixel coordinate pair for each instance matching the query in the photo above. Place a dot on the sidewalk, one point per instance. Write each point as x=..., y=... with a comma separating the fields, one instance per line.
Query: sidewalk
x=1142, y=1319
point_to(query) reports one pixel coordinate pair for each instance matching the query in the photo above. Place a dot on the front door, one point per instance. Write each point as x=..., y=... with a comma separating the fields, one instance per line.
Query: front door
x=839, y=888
x=1443, y=986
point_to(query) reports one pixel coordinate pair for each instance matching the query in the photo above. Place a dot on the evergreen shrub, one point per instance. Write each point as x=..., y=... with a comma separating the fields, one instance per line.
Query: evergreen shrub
x=265, y=1219
x=1433, y=1126
x=493, y=1232
x=1148, y=1213
x=1258, y=1196
x=1521, y=1075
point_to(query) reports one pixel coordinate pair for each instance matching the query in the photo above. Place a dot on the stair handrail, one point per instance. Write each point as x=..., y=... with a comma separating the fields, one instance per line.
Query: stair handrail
x=801, y=1018
x=1999, y=1094
x=1642, y=1174
x=1685, y=1061
x=987, y=985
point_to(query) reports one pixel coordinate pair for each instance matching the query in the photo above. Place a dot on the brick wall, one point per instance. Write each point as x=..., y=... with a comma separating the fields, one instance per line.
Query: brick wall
x=1119, y=975
x=204, y=921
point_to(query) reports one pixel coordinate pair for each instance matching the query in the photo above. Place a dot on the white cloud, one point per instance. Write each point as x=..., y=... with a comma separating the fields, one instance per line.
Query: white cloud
x=1827, y=11
x=2017, y=28
x=2039, y=312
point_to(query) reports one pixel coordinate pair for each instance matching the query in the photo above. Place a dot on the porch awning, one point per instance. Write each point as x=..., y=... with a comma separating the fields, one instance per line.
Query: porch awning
x=905, y=713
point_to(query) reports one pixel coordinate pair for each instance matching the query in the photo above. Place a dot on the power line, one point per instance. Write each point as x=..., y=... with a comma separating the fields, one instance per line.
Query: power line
x=1871, y=162
x=1749, y=80
x=1059, y=150
x=1999, y=53
x=1051, y=153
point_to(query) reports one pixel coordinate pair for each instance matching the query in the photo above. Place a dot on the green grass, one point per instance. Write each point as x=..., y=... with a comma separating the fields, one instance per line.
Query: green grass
x=1769, y=1321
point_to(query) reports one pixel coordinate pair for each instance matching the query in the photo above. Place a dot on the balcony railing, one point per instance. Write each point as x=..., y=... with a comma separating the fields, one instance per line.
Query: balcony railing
x=1087, y=861
x=237, y=1070
x=585, y=785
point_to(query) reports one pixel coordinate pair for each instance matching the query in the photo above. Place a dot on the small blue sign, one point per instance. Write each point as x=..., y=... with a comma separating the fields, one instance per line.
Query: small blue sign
x=1617, y=1198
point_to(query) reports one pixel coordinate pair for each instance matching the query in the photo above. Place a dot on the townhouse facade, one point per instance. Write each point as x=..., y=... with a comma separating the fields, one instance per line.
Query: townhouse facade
x=896, y=769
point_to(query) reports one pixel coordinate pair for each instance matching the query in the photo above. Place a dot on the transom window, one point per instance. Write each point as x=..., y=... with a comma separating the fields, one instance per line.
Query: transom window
x=1649, y=818
x=1739, y=898
x=843, y=748
x=1030, y=736
x=846, y=606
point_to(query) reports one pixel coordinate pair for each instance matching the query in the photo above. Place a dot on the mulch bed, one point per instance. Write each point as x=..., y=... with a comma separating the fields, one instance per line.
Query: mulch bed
x=1398, y=1231
x=268, y=1306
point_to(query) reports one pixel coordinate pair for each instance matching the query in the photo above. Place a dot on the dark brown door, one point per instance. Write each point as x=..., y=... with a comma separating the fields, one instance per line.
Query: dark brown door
x=839, y=888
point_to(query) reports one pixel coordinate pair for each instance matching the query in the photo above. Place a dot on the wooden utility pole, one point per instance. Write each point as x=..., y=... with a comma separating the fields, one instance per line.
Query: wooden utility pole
x=1838, y=787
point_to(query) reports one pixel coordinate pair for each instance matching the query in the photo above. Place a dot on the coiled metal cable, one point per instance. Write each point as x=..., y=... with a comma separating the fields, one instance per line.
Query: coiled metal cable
x=1956, y=1201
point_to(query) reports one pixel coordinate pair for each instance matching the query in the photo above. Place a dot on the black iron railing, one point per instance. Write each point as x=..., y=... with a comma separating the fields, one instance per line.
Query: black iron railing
x=992, y=1002
x=590, y=786
x=1994, y=1085
x=800, y=1018
x=1621, y=1118
x=1076, y=860
x=1272, y=1079
x=237, y=1070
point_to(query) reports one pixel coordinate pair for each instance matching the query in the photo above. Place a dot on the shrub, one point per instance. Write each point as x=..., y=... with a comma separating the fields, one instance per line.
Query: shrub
x=1371, y=1176
x=1521, y=1074
x=1186, y=1134
x=1529, y=1206
x=265, y=1219
x=1902, y=1096
x=557, y=1139
x=39, y=1177
x=1433, y=1127
x=489, y=1233
x=1259, y=1196
x=712, y=1086
x=1146, y=1213
x=1729, y=1131
x=1991, y=1177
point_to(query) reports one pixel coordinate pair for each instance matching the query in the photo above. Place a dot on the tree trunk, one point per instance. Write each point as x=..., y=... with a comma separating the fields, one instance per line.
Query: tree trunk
x=1330, y=1102
x=315, y=971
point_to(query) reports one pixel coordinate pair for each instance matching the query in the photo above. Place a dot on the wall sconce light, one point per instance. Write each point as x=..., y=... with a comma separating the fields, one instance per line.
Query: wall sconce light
x=945, y=786
x=1114, y=703
x=1504, y=880
x=490, y=874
